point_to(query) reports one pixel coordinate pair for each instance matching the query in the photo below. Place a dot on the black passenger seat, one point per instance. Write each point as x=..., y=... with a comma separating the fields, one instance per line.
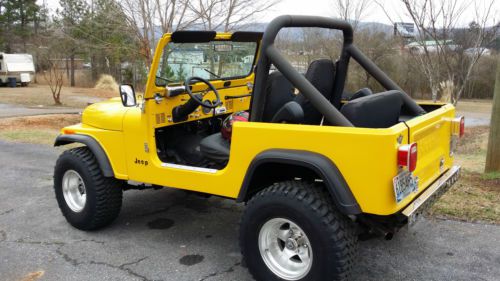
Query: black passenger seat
x=380, y=110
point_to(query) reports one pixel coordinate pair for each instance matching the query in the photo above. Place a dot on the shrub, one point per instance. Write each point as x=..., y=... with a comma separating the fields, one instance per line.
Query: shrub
x=106, y=82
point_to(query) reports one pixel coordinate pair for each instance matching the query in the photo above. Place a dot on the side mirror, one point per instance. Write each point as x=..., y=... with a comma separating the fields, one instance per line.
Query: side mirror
x=127, y=95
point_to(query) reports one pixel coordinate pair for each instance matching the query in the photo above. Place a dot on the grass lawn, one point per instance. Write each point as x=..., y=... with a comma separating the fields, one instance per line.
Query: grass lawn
x=40, y=95
x=473, y=198
x=476, y=196
x=41, y=129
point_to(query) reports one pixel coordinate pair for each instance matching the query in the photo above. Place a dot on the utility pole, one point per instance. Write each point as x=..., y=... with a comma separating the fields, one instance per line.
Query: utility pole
x=493, y=154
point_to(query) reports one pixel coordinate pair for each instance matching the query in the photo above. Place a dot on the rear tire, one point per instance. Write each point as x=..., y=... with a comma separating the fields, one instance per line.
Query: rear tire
x=87, y=199
x=326, y=253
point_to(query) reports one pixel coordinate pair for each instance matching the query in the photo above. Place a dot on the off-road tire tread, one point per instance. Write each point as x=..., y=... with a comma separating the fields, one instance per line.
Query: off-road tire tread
x=108, y=190
x=341, y=229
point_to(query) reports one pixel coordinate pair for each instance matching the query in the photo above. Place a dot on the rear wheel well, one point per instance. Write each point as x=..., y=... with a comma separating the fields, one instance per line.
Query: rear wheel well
x=267, y=174
x=276, y=165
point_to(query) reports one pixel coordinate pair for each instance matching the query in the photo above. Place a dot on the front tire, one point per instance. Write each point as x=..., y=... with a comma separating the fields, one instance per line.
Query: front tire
x=292, y=231
x=87, y=199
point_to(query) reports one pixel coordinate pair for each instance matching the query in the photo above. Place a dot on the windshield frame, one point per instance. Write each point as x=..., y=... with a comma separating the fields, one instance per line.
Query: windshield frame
x=216, y=39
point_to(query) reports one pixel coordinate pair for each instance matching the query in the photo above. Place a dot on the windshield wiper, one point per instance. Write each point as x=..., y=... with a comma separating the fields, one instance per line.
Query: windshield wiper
x=211, y=73
x=163, y=78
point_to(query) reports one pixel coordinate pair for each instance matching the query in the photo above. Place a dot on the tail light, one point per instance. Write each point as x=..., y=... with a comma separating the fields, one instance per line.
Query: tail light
x=458, y=126
x=407, y=156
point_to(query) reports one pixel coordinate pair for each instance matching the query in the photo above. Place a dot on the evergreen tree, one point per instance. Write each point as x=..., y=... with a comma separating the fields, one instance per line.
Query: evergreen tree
x=70, y=18
x=181, y=73
x=18, y=20
x=109, y=40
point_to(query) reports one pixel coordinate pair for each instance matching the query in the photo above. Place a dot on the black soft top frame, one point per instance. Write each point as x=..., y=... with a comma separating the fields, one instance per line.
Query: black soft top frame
x=270, y=55
x=202, y=36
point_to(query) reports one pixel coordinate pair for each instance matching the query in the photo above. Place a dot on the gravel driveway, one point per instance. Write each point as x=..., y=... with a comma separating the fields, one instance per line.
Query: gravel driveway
x=170, y=235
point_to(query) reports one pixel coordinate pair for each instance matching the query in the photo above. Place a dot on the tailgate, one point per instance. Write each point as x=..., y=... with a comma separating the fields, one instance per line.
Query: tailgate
x=432, y=132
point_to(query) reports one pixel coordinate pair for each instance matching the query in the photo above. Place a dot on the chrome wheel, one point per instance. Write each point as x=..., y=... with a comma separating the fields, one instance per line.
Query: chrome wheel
x=285, y=249
x=74, y=191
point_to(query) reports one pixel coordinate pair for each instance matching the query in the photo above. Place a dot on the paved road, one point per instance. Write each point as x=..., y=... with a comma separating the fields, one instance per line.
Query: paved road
x=476, y=113
x=169, y=235
x=473, y=119
x=11, y=110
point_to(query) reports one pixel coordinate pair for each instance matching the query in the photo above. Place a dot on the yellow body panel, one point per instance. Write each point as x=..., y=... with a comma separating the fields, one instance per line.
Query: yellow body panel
x=432, y=133
x=112, y=143
x=367, y=158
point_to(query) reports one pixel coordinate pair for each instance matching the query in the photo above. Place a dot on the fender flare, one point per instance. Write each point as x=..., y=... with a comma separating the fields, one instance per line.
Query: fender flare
x=321, y=165
x=93, y=145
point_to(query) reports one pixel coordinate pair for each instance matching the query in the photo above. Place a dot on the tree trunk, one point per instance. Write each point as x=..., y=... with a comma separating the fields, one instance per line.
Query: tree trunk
x=23, y=24
x=67, y=67
x=93, y=65
x=72, y=69
x=493, y=154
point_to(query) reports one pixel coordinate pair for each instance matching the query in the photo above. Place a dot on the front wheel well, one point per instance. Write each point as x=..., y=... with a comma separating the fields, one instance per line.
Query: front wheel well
x=93, y=146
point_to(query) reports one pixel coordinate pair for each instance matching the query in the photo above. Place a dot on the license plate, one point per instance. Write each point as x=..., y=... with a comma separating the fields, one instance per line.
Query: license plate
x=404, y=184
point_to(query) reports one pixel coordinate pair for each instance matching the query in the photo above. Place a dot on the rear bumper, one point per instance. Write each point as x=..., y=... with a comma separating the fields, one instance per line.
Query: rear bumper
x=425, y=200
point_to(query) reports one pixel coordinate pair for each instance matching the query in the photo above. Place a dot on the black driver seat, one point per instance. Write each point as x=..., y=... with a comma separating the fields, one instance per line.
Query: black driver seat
x=321, y=74
x=279, y=91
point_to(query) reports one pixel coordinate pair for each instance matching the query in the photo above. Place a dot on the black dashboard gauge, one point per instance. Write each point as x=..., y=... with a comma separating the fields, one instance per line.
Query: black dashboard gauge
x=205, y=109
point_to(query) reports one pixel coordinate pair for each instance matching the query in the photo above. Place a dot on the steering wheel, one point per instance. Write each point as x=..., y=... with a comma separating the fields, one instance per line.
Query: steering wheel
x=197, y=98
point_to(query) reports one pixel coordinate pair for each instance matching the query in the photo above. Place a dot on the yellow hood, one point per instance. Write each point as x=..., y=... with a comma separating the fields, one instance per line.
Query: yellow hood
x=106, y=115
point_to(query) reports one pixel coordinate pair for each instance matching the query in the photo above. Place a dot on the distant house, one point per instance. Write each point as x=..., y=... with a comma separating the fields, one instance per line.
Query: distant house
x=66, y=63
x=418, y=47
x=190, y=60
x=475, y=51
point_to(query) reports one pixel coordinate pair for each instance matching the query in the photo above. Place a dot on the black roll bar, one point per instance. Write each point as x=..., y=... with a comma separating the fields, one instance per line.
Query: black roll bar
x=269, y=54
x=383, y=79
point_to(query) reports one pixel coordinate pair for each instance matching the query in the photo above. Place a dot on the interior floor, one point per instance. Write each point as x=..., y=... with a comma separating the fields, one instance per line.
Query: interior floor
x=180, y=144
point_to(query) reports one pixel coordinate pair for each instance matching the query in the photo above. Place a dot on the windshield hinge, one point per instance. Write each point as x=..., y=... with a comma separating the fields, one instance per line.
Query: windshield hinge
x=142, y=106
x=158, y=98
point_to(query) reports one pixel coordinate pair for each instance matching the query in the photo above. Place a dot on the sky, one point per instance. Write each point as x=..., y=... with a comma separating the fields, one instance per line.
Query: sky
x=326, y=8
x=320, y=8
x=374, y=12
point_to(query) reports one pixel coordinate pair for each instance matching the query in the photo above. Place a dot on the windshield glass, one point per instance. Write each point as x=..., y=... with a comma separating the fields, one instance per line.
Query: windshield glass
x=212, y=60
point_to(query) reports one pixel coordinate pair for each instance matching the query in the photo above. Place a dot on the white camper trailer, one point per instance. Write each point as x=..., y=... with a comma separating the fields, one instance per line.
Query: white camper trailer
x=18, y=66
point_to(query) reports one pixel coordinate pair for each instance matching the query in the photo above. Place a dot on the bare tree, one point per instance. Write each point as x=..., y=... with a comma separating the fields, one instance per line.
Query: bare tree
x=351, y=10
x=172, y=13
x=441, y=58
x=53, y=75
x=145, y=15
x=377, y=46
x=140, y=16
x=226, y=15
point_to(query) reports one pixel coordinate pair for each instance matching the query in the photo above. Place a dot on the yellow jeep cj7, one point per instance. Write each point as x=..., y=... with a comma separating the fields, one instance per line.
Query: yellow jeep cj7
x=316, y=170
